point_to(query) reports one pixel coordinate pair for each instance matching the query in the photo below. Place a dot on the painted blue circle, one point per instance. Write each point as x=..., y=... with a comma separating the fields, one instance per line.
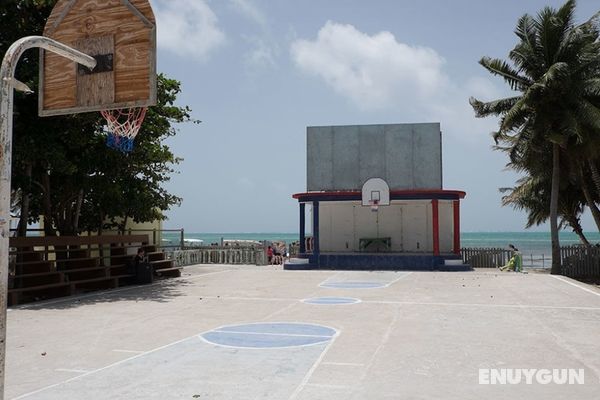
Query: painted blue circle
x=269, y=335
x=353, y=285
x=331, y=300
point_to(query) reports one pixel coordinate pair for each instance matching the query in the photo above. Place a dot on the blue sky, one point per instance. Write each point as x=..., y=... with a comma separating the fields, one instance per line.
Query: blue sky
x=257, y=72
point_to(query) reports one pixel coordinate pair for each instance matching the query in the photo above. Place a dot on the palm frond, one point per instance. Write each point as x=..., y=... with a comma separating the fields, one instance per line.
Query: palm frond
x=509, y=74
x=495, y=107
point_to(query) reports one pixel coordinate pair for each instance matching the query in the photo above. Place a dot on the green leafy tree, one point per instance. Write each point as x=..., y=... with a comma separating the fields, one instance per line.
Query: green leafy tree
x=62, y=170
x=555, y=70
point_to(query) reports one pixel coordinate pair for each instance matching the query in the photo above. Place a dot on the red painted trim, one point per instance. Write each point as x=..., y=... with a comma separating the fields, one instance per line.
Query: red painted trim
x=458, y=193
x=436, y=226
x=456, y=206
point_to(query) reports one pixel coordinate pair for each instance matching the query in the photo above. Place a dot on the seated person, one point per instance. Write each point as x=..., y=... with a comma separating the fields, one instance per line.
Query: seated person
x=515, y=263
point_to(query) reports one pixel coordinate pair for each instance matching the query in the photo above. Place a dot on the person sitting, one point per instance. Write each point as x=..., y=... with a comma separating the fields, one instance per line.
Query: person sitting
x=515, y=263
x=139, y=258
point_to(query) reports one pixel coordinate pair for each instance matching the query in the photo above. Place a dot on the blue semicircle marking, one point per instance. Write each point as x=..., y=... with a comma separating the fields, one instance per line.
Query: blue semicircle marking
x=269, y=335
x=331, y=300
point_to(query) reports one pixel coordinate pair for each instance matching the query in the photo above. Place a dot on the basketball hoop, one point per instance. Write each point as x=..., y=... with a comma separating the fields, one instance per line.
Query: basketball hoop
x=122, y=127
x=374, y=205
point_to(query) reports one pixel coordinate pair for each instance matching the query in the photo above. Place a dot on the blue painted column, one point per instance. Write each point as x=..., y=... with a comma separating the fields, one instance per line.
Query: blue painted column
x=302, y=229
x=316, y=247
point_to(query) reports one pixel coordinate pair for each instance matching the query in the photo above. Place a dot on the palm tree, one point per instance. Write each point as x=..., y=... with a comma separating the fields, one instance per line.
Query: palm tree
x=531, y=194
x=556, y=72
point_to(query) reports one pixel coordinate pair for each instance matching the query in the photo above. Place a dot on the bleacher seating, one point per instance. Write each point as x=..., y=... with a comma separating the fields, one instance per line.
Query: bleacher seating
x=48, y=267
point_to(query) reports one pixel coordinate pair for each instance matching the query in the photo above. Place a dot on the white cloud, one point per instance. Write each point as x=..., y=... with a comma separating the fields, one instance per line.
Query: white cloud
x=188, y=28
x=250, y=11
x=373, y=71
x=379, y=73
x=261, y=55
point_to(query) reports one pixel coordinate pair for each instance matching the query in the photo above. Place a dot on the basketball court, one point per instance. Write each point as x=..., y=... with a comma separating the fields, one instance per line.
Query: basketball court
x=260, y=332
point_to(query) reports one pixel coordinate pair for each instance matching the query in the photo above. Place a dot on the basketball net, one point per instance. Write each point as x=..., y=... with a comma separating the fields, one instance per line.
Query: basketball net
x=374, y=205
x=123, y=125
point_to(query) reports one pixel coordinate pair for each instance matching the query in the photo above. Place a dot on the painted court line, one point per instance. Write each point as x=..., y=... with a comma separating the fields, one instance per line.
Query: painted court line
x=403, y=275
x=574, y=284
x=312, y=370
x=381, y=346
x=105, y=367
x=128, y=351
x=274, y=299
x=331, y=301
x=523, y=306
x=329, y=284
x=281, y=311
x=253, y=348
x=273, y=334
x=77, y=371
x=343, y=364
x=324, y=386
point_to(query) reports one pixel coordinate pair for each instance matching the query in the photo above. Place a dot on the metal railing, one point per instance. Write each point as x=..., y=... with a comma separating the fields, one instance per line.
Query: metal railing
x=219, y=255
x=490, y=257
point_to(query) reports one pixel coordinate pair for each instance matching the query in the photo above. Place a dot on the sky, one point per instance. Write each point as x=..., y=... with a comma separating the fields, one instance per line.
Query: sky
x=258, y=72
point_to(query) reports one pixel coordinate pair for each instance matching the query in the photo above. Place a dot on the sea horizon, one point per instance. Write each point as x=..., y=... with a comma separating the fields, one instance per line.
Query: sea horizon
x=529, y=243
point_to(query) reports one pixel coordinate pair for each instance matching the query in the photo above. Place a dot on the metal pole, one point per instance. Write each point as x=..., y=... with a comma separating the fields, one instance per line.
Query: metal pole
x=7, y=85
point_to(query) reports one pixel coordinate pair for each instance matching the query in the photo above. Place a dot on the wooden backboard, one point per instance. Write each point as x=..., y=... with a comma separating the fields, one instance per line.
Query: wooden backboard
x=121, y=34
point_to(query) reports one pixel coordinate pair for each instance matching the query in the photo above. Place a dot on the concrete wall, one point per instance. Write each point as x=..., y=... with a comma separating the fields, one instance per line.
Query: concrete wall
x=409, y=224
x=406, y=156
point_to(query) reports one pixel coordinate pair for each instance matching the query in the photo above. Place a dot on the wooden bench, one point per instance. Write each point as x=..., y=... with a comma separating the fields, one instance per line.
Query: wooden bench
x=69, y=265
x=367, y=244
x=162, y=267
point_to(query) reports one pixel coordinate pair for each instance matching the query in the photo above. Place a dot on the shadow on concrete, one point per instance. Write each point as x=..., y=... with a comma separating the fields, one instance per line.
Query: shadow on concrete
x=161, y=291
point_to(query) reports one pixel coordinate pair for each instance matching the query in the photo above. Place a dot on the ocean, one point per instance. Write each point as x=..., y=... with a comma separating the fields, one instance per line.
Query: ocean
x=529, y=243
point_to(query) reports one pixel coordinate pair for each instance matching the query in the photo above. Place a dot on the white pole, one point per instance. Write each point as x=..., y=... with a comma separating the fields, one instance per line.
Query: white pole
x=7, y=86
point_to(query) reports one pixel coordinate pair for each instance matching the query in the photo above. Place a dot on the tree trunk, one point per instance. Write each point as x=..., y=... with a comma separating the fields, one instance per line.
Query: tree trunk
x=48, y=219
x=582, y=238
x=589, y=199
x=576, y=226
x=556, y=269
x=77, y=212
x=25, y=197
x=123, y=225
x=595, y=176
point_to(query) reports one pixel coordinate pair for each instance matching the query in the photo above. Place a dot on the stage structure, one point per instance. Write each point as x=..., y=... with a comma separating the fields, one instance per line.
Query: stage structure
x=376, y=200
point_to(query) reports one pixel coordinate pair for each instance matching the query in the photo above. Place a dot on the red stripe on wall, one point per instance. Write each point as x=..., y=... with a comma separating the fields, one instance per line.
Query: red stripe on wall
x=436, y=227
x=456, y=205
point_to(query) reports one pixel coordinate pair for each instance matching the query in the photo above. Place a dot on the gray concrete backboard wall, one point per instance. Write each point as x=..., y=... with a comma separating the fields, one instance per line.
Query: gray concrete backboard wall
x=406, y=156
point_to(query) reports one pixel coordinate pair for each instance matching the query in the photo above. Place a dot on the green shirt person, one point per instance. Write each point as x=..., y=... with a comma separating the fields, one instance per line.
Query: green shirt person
x=516, y=261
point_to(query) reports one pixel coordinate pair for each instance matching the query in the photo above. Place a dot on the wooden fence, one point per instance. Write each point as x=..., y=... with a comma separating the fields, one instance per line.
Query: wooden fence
x=580, y=262
x=218, y=255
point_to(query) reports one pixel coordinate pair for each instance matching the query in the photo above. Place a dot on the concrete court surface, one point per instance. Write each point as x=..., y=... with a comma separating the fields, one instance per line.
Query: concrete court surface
x=411, y=335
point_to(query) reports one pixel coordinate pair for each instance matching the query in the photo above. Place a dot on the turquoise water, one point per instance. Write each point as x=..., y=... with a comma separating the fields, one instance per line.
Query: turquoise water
x=216, y=237
x=536, y=243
